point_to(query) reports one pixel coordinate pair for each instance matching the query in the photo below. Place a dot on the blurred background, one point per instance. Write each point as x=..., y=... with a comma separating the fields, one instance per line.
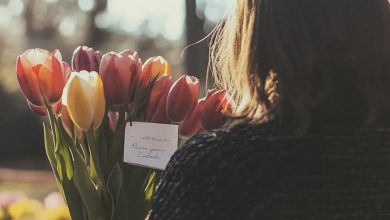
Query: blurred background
x=151, y=27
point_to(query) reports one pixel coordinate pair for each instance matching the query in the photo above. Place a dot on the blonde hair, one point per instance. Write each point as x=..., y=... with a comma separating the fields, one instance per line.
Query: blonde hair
x=301, y=61
x=230, y=63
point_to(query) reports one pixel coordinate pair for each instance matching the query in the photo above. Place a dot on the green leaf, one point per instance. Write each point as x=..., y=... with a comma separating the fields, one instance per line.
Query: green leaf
x=114, y=185
x=49, y=143
x=66, y=187
x=150, y=186
x=88, y=191
x=73, y=200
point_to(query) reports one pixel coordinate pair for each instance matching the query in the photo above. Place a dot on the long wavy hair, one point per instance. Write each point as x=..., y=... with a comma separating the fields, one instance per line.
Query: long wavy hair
x=306, y=63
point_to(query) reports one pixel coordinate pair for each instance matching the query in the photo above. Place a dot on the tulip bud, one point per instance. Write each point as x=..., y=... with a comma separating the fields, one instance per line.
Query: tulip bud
x=119, y=72
x=193, y=124
x=40, y=76
x=84, y=99
x=156, y=104
x=217, y=103
x=155, y=67
x=182, y=98
x=86, y=58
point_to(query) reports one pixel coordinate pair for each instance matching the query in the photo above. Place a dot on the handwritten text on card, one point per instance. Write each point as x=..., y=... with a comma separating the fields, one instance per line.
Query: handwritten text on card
x=150, y=145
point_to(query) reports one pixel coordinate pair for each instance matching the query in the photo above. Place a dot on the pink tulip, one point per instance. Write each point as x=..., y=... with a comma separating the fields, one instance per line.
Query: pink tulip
x=217, y=103
x=133, y=55
x=40, y=75
x=193, y=124
x=120, y=72
x=182, y=98
x=156, y=104
x=86, y=58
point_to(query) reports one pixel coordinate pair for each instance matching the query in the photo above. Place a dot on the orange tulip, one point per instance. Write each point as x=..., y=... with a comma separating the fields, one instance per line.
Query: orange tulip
x=156, y=104
x=217, y=103
x=40, y=76
x=86, y=58
x=119, y=72
x=182, y=98
x=155, y=67
x=193, y=124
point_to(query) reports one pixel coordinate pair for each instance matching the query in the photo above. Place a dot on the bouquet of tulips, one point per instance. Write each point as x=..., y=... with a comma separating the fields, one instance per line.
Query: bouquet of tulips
x=88, y=105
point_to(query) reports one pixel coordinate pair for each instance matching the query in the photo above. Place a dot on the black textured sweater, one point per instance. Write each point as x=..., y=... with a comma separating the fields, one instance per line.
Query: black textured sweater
x=251, y=172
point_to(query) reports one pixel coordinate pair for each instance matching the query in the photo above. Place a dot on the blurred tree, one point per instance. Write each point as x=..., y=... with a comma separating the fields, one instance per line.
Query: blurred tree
x=94, y=35
x=196, y=56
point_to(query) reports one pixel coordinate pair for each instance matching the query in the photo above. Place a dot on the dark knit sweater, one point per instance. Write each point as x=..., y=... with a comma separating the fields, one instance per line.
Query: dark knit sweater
x=251, y=172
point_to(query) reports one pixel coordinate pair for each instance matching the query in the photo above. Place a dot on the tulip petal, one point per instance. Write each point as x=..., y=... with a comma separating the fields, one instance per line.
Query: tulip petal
x=155, y=67
x=28, y=81
x=182, y=98
x=193, y=124
x=213, y=111
x=51, y=81
x=41, y=111
x=117, y=78
x=36, y=56
x=78, y=100
x=156, y=104
x=100, y=102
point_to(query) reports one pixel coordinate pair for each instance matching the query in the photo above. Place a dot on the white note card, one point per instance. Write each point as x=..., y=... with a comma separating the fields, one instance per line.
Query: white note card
x=149, y=144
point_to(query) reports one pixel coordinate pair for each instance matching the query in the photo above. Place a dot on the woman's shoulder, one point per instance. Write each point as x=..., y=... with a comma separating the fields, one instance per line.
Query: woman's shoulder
x=218, y=143
x=220, y=174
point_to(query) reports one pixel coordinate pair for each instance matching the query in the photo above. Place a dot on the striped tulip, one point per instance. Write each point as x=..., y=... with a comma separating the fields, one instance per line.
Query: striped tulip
x=40, y=75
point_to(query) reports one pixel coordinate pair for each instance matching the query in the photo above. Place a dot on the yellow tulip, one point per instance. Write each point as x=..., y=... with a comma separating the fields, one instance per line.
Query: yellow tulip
x=84, y=98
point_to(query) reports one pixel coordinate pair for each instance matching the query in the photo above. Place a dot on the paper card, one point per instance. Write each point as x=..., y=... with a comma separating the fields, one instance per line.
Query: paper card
x=149, y=144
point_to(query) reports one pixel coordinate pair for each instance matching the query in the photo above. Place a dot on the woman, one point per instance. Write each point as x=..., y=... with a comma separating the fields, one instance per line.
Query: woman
x=312, y=79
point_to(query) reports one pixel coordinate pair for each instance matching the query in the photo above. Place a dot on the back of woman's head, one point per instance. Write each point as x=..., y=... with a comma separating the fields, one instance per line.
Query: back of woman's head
x=306, y=63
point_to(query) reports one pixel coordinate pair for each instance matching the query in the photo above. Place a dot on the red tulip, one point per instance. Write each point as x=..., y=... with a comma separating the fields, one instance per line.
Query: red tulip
x=155, y=67
x=156, y=104
x=217, y=103
x=86, y=58
x=193, y=124
x=119, y=72
x=182, y=98
x=40, y=76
